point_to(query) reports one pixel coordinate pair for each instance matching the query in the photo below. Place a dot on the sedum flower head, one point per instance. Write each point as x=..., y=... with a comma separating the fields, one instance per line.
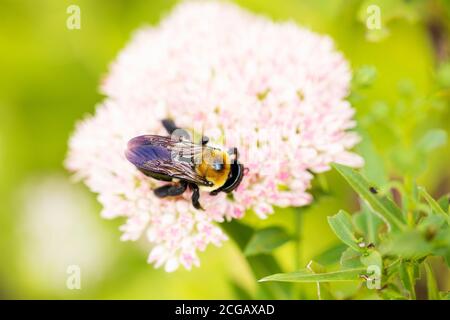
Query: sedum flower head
x=273, y=90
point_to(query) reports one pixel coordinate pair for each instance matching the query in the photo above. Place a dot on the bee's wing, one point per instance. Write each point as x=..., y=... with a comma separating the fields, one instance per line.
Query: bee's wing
x=165, y=156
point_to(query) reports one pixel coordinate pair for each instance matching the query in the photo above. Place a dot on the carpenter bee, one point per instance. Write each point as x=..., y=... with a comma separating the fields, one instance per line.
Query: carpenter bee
x=176, y=158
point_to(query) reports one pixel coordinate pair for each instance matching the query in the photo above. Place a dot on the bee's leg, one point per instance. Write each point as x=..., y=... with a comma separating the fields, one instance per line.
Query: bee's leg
x=169, y=125
x=233, y=152
x=205, y=140
x=215, y=192
x=195, y=196
x=171, y=128
x=170, y=190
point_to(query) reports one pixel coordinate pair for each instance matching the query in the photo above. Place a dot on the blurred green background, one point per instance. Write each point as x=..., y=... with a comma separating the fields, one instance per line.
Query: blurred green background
x=50, y=77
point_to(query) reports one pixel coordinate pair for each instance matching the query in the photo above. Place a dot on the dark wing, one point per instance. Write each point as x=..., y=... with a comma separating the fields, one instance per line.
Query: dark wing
x=164, y=156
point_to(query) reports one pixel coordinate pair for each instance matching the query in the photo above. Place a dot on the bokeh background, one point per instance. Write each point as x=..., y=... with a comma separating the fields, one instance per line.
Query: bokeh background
x=50, y=77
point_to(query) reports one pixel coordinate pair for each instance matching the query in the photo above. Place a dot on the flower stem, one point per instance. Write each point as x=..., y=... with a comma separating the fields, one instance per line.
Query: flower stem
x=298, y=237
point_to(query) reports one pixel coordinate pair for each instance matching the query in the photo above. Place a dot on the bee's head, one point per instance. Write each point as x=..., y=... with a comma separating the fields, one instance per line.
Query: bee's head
x=236, y=173
x=222, y=169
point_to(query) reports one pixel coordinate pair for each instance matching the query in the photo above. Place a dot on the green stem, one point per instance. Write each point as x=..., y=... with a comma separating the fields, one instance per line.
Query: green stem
x=295, y=291
x=298, y=238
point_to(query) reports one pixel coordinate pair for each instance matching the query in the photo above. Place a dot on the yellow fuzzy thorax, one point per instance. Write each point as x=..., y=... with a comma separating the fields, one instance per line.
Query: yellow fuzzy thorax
x=210, y=158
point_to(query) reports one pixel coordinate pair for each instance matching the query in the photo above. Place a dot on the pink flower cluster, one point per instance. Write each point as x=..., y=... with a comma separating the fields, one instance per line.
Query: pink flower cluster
x=273, y=90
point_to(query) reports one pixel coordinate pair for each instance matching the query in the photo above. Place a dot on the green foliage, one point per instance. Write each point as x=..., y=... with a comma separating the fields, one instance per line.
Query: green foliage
x=364, y=76
x=434, y=205
x=331, y=255
x=367, y=223
x=397, y=253
x=407, y=278
x=260, y=264
x=308, y=276
x=432, y=139
x=266, y=240
x=382, y=205
x=341, y=224
x=432, y=288
x=350, y=259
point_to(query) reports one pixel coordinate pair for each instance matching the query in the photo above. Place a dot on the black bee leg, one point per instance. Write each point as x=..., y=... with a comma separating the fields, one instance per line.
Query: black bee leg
x=195, y=196
x=233, y=152
x=205, y=140
x=170, y=190
x=169, y=125
x=215, y=192
x=171, y=128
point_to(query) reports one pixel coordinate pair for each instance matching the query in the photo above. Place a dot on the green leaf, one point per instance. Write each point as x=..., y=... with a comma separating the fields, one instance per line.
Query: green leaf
x=382, y=205
x=323, y=289
x=239, y=291
x=435, y=207
x=341, y=224
x=443, y=75
x=365, y=76
x=367, y=223
x=373, y=258
x=444, y=203
x=239, y=232
x=409, y=244
x=266, y=240
x=431, y=140
x=441, y=243
x=447, y=258
x=331, y=255
x=444, y=295
x=350, y=259
x=306, y=275
x=406, y=272
x=431, y=224
x=432, y=288
x=262, y=264
x=374, y=168
x=389, y=294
